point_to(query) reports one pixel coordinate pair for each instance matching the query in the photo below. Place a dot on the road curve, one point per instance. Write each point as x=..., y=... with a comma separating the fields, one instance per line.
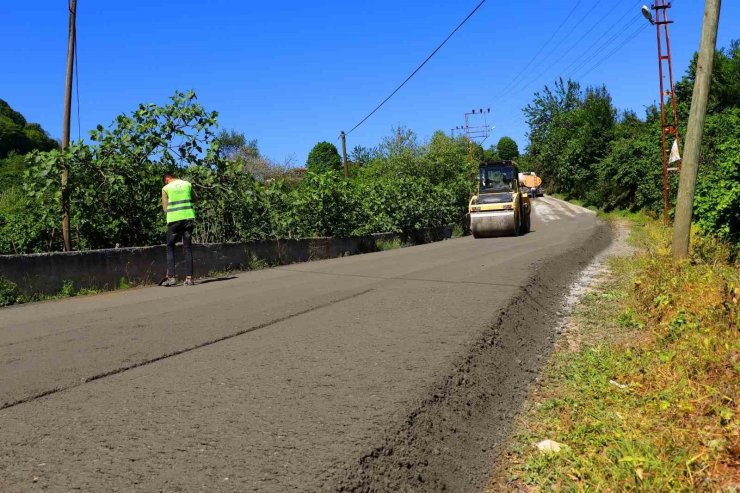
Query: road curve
x=364, y=373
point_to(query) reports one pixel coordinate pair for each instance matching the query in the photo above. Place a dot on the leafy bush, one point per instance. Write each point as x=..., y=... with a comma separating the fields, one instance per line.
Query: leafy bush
x=68, y=289
x=324, y=157
x=8, y=292
x=18, y=136
x=507, y=148
x=585, y=151
x=114, y=185
x=717, y=201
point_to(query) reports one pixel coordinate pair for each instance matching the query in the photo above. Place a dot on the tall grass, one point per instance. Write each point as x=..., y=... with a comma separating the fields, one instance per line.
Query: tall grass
x=648, y=401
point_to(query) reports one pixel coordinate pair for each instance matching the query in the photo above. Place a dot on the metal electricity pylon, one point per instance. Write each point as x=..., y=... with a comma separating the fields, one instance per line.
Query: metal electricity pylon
x=480, y=132
x=476, y=128
x=668, y=116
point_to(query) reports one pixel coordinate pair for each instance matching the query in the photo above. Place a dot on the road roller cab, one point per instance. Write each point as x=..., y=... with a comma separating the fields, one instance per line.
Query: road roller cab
x=500, y=207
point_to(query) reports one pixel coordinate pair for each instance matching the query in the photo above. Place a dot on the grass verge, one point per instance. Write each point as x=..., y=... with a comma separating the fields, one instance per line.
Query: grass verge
x=643, y=392
x=11, y=295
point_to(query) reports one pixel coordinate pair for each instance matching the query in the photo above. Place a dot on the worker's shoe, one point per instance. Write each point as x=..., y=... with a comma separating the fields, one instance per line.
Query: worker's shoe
x=189, y=281
x=170, y=281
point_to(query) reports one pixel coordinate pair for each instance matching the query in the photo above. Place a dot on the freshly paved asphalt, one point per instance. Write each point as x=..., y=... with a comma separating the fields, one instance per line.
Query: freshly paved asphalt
x=272, y=380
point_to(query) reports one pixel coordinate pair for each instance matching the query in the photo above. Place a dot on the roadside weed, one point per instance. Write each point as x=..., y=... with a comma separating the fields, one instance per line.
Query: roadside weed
x=256, y=263
x=393, y=244
x=123, y=283
x=9, y=294
x=647, y=400
x=68, y=289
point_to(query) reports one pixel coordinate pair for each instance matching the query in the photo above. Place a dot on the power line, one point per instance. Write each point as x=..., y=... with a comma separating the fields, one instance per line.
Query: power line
x=419, y=67
x=596, y=45
x=573, y=68
x=546, y=43
x=562, y=56
x=583, y=36
x=585, y=61
x=515, y=89
x=632, y=36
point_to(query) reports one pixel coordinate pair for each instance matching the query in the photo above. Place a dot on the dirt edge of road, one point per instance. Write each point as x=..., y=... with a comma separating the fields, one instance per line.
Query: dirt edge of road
x=449, y=441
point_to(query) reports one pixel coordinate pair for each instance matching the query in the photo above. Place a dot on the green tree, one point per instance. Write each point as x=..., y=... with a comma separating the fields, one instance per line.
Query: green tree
x=491, y=154
x=17, y=136
x=116, y=177
x=546, y=106
x=717, y=198
x=628, y=177
x=507, y=148
x=361, y=155
x=725, y=89
x=232, y=143
x=324, y=157
x=114, y=184
x=11, y=171
x=570, y=131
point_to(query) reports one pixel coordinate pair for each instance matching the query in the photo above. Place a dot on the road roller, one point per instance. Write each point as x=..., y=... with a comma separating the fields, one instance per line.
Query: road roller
x=500, y=207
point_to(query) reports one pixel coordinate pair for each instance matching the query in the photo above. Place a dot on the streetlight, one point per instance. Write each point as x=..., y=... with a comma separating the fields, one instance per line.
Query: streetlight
x=647, y=14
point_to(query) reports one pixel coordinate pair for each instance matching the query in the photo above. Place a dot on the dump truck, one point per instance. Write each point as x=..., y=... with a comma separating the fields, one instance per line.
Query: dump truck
x=500, y=206
x=532, y=183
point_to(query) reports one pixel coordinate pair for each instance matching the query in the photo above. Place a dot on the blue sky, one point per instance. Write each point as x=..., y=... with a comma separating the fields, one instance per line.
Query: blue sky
x=291, y=73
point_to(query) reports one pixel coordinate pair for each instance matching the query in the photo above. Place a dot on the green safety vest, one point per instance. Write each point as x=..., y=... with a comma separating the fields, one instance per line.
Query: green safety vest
x=179, y=201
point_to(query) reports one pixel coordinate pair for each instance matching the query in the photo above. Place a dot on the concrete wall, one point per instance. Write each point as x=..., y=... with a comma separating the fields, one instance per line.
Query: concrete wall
x=45, y=273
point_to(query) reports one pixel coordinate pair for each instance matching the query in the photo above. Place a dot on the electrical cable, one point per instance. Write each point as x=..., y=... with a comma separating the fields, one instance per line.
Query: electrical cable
x=419, y=67
x=524, y=86
x=603, y=47
x=595, y=46
x=547, y=43
x=632, y=36
x=516, y=88
x=574, y=45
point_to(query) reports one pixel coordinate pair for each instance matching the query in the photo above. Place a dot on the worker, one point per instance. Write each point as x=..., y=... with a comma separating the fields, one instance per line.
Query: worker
x=177, y=203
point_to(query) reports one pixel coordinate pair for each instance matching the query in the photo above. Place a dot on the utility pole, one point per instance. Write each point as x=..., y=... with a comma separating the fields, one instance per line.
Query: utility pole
x=669, y=121
x=65, y=123
x=695, y=130
x=344, y=154
x=476, y=133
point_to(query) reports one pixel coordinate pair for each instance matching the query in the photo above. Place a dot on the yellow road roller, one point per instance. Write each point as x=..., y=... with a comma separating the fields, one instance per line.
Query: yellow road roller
x=500, y=207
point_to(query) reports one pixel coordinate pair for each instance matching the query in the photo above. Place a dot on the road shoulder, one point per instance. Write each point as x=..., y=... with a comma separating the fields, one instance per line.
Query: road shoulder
x=449, y=440
x=637, y=395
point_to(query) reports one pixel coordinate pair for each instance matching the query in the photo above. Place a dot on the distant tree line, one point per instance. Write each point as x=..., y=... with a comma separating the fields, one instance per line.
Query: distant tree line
x=586, y=149
x=578, y=142
x=401, y=185
x=18, y=138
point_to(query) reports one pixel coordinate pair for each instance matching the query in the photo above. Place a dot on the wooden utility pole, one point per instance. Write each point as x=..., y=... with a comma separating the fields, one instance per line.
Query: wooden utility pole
x=695, y=130
x=344, y=154
x=65, y=122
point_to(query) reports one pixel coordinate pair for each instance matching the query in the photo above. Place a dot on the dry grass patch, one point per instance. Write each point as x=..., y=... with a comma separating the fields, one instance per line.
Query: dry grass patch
x=646, y=400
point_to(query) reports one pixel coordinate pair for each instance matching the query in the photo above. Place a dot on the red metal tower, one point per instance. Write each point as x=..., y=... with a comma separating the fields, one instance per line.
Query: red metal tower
x=669, y=118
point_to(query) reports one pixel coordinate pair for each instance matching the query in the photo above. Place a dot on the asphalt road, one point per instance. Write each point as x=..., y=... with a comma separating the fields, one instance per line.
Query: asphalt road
x=288, y=379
